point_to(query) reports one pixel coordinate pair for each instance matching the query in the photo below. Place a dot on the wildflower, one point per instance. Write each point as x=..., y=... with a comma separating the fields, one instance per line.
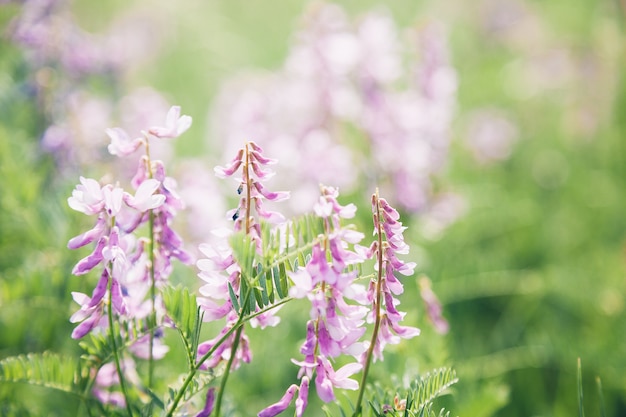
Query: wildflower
x=363, y=74
x=222, y=274
x=390, y=241
x=121, y=144
x=175, y=125
x=433, y=306
x=327, y=378
x=281, y=405
x=208, y=405
x=335, y=326
x=127, y=292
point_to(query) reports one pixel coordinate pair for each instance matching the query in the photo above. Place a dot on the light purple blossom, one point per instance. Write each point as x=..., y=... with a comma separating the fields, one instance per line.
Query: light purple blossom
x=128, y=270
x=121, y=144
x=335, y=326
x=389, y=231
x=434, y=309
x=327, y=378
x=281, y=405
x=175, y=125
x=345, y=75
x=107, y=378
x=208, y=405
x=219, y=270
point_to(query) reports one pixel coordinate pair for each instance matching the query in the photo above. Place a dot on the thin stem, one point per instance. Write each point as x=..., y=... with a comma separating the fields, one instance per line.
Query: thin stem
x=153, y=318
x=114, y=345
x=153, y=313
x=220, y=394
x=377, y=300
x=194, y=370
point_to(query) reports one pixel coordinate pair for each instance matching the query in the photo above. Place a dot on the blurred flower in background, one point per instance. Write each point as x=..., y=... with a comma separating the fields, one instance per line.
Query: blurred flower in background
x=356, y=103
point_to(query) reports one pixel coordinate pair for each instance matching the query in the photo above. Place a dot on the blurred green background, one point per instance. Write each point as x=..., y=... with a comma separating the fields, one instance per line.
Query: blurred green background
x=532, y=276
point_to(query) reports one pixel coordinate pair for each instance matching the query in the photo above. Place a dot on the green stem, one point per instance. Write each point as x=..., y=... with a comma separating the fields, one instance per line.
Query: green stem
x=114, y=345
x=153, y=318
x=153, y=314
x=233, y=352
x=194, y=370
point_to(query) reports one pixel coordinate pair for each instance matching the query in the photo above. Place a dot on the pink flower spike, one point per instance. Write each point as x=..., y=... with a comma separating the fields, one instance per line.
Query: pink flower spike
x=280, y=406
x=175, y=125
x=121, y=144
x=144, y=198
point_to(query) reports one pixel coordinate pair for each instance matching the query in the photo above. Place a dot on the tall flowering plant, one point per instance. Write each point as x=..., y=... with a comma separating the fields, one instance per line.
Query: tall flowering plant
x=247, y=273
x=126, y=300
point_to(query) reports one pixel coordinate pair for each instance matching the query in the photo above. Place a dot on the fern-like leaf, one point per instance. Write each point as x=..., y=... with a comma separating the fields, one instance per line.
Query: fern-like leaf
x=417, y=400
x=47, y=370
x=182, y=309
x=430, y=386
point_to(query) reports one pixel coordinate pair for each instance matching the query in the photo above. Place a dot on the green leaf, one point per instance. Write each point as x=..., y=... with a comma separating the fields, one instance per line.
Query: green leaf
x=284, y=285
x=431, y=386
x=183, y=310
x=47, y=370
x=277, y=284
x=263, y=284
x=233, y=297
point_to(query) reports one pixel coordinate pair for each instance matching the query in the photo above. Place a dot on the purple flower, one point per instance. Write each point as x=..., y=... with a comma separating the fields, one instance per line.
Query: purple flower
x=92, y=309
x=389, y=230
x=87, y=197
x=434, y=309
x=121, y=144
x=208, y=405
x=175, y=125
x=303, y=397
x=327, y=378
x=281, y=405
x=336, y=326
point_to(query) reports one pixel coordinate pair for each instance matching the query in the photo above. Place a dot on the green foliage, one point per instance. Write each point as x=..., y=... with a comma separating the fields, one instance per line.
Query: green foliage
x=47, y=370
x=418, y=399
x=183, y=310
x=265, y=276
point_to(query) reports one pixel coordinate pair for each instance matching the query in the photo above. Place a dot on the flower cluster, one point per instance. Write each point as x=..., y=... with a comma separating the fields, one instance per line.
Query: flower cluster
x=133, y=267
x=335, y=326
x=63, y=60
x=220, y=271
x=389, y=243
x=344, y=79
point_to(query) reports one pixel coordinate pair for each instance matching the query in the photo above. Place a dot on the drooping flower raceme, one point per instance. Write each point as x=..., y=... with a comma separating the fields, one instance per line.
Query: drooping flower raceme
x=133, y=267
x=219, y=269
x=336, y=325
x=381, y=293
